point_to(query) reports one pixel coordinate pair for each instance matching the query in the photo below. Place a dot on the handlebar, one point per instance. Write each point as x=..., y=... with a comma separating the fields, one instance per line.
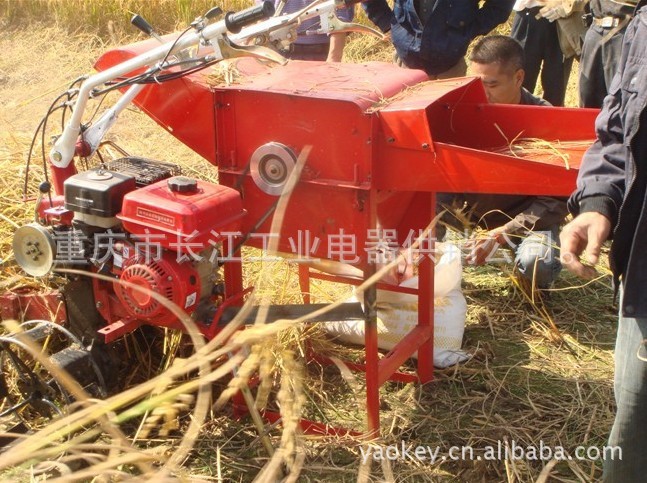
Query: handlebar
x=235, y=21
x=62, y=152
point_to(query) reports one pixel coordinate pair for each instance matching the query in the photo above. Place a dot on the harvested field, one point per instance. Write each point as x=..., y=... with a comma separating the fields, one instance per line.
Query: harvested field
x=540, y=372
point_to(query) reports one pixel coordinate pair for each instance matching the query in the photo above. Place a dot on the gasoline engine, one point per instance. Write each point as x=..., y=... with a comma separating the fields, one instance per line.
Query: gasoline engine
x=154, y=235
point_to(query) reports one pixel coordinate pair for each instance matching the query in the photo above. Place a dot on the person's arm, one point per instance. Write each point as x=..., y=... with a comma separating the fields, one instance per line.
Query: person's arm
x=379, y=12
x=544, y=212
x=600, y=182
x=491, y=14
x=601, y=179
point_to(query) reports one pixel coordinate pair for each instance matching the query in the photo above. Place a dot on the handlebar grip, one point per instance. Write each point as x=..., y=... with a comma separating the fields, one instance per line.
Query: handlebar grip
x=141, y=23
x=236, y=21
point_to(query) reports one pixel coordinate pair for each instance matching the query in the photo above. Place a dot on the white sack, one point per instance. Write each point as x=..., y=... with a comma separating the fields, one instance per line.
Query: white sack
x=398, y=313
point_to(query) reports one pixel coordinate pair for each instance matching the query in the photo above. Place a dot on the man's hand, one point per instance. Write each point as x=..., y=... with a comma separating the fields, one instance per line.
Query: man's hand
x=585, y=234
x=554, y=10
x=401, y=272
x=482, y=248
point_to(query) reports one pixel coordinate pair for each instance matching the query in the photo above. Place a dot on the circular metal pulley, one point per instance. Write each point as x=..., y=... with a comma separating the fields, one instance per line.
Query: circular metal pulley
x=34, y=249
x=270, y=167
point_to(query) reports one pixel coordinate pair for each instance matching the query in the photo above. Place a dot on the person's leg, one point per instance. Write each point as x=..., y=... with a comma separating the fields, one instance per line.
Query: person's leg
x=552, y=74
x=592, y=85
x=537, y=258
x=568, y=67
x=526, y=30
x=629, y=430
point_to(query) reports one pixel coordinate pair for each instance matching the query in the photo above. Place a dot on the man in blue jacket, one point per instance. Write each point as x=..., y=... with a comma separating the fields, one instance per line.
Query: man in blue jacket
x=433, y=35
x=611, y=199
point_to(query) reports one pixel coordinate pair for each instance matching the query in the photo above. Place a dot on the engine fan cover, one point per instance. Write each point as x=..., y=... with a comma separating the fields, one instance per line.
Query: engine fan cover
x=146, y=281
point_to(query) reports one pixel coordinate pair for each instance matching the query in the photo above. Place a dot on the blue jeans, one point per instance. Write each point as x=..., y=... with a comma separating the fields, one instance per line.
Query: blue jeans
x=537, y=258
x=630, y=387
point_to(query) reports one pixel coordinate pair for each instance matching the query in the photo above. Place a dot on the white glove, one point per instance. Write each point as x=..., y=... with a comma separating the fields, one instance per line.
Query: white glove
x=553, y=13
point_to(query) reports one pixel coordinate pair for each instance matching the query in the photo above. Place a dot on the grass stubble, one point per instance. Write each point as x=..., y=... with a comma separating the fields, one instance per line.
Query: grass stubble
x=539, y=371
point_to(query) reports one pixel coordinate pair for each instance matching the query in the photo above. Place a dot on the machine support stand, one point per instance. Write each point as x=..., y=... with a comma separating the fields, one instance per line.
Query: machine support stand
x=372, y=356
x=426, y=305
x=233, y=273
x=304, y=282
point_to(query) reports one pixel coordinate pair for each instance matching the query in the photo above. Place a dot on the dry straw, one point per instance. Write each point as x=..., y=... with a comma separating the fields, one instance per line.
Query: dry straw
x=541, y=370
x=542, y=150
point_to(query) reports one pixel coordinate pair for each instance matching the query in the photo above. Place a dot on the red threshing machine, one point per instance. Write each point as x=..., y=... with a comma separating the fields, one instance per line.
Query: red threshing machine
x=370, y=144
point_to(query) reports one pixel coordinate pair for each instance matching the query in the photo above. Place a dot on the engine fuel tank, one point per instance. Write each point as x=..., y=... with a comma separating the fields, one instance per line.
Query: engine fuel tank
x=182, y=210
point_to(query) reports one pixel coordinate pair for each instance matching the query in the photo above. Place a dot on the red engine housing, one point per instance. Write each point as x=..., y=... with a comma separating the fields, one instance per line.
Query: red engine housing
x=178, y=283
x=192, y=218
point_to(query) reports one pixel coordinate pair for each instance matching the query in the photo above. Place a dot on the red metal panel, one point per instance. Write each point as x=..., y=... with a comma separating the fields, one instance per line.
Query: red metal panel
x=332, y=197
x=322, y=211
x=339, y=133
x=183, y=107
x=25, y=304
x=464, y=170
x=366, y=85
x=484, y=126
x=450, y=148
x=404, y=119
x=175, y=217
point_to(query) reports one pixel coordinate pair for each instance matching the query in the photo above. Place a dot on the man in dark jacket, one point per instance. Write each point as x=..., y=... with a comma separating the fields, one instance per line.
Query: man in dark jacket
x=433, y=35
x=527, y=224
x=601, y=49
x=498, y=60
x=612, y=192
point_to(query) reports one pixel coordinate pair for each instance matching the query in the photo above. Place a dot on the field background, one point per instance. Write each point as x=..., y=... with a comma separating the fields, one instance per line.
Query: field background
x=527, y=382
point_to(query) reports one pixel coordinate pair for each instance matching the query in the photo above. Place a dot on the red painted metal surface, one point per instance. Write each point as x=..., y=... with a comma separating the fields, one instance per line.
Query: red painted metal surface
x=314, y=428
x=59, y=175
x=193, y=218
x=53, y=210
x=25, y=304
x=444, y=135
x=183, y=107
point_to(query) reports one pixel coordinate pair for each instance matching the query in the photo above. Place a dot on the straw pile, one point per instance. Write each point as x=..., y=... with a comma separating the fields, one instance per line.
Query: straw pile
x=543, y=150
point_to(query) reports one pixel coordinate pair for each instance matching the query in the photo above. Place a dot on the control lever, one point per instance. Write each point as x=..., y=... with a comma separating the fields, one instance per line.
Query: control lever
x=201, y=22
x=212, y=13
x=141, y=23
x=230, y=50
x=331, y=23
